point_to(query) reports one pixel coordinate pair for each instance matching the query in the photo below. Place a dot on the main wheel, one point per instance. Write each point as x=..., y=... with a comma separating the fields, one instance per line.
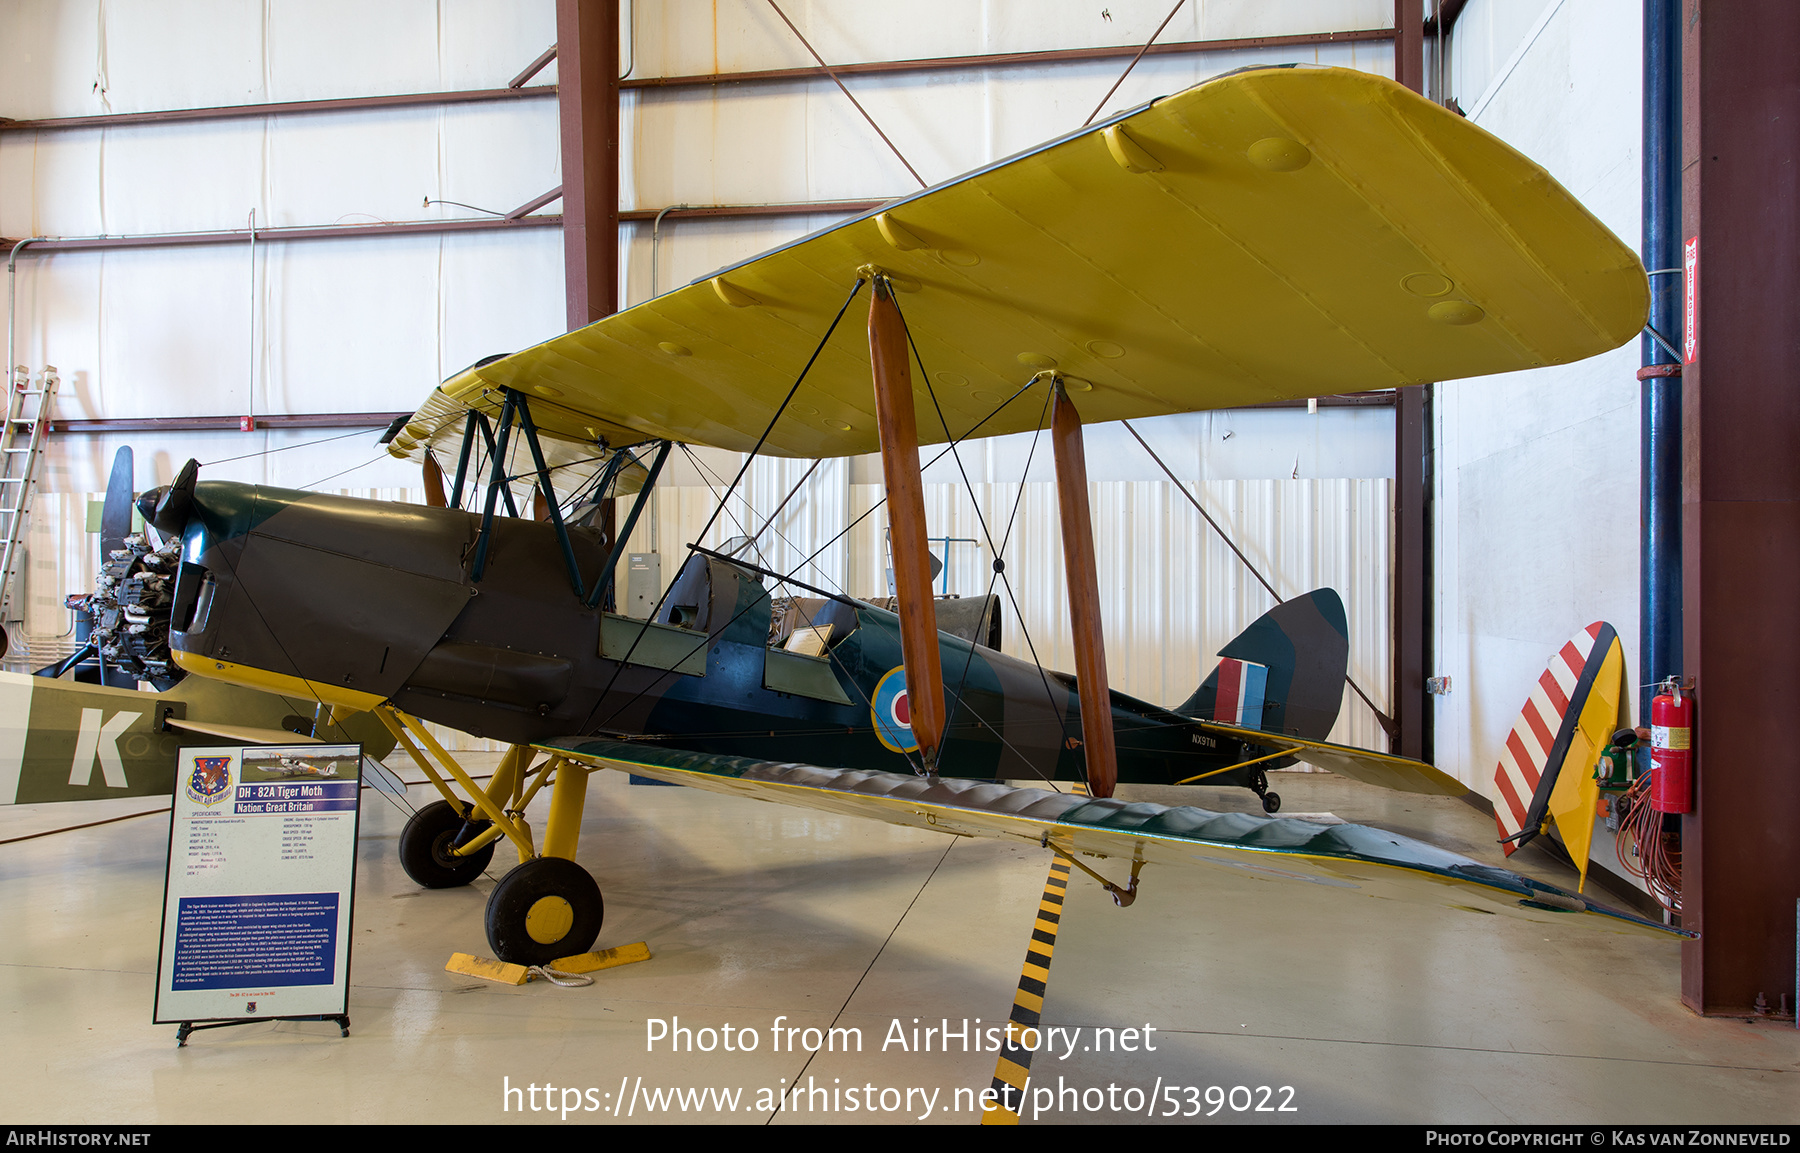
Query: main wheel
x=542, y=910
x=1271, y=802
x=427, y=839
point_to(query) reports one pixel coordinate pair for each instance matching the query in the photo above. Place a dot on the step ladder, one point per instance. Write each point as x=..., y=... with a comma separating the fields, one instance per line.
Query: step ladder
x=21, y=445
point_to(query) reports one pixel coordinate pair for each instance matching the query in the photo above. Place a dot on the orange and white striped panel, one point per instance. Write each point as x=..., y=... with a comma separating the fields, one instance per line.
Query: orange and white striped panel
x=1534, y=734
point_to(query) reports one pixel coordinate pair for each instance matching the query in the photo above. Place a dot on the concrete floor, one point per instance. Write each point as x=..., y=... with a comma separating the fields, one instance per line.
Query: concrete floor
x=1347, y=1009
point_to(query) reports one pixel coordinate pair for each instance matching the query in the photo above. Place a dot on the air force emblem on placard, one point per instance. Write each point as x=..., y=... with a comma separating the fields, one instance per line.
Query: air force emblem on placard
x=210, y=781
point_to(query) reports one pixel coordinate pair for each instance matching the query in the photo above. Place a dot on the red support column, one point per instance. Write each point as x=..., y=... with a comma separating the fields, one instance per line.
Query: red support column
x=1409, y=44
x=898, y=425
x=1412, y=646
x=1084, y=596
x=1741, y=500
x=587, y=78
x=1409, y=706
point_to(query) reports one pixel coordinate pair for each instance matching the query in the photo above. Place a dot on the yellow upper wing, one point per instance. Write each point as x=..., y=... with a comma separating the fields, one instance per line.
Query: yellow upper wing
x=1271, y=234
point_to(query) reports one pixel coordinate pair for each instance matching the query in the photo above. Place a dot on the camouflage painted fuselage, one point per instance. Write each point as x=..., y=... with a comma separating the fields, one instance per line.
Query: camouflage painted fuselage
x=357, y=602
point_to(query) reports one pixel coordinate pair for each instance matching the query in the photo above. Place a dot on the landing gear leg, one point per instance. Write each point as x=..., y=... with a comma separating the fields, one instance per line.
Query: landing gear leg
x=549, y=907
x=1259, y=784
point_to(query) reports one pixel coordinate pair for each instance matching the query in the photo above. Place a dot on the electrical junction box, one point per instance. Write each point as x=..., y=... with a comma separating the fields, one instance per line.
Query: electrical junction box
x=643, y=583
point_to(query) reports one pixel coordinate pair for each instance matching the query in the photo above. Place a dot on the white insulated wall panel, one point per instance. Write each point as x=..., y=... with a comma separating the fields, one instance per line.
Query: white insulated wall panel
x=1489, y=33
x=366, y=325
x=1537, y=521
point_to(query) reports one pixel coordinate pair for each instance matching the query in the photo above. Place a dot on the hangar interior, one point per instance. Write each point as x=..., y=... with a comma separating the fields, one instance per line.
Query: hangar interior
x=265, y=290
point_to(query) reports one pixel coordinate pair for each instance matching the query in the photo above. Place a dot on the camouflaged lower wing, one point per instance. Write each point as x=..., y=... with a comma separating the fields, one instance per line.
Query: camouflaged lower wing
x=1354, y=859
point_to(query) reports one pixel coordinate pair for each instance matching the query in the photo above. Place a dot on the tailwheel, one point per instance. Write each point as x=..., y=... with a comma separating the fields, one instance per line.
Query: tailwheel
x=543, y=910
x=427, y=840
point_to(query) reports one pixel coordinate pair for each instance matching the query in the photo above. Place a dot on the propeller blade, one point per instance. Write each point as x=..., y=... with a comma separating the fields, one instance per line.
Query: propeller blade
x=540, y=508
x=115, y=515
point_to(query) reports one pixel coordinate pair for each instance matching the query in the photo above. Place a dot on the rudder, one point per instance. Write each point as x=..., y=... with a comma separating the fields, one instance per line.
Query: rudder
x=1288, y=666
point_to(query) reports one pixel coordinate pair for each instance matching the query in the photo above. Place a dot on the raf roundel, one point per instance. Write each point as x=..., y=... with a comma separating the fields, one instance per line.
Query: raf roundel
x=892, y=713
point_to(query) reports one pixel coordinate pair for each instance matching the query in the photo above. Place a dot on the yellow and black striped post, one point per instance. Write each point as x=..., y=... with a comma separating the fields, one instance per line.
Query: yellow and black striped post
x=1012, y=1072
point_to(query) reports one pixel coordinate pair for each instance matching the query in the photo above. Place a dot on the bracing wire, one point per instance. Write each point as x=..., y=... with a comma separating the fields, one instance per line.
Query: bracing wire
x=748, y=459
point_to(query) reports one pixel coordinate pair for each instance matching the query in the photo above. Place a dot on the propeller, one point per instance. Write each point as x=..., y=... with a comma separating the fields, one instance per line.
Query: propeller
x=102, y=611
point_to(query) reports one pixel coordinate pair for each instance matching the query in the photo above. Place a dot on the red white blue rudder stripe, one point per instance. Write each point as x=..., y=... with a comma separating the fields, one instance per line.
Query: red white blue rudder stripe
x=1242, y=686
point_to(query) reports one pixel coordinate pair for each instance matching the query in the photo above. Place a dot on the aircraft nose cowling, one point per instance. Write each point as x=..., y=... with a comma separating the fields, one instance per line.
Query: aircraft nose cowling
x=329, y=596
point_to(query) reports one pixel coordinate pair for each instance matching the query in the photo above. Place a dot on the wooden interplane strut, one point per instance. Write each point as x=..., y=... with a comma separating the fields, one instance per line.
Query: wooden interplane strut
x=890, y=359
x=1084, y=595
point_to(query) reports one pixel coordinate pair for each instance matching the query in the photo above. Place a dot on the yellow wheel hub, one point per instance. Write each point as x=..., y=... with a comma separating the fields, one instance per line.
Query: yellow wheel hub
x=549, y=920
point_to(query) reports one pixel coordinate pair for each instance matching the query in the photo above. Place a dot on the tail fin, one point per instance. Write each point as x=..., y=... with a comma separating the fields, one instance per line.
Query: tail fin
x=1283, y=674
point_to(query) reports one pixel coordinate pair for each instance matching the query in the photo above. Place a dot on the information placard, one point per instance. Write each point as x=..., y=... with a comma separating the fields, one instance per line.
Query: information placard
x=262, y=872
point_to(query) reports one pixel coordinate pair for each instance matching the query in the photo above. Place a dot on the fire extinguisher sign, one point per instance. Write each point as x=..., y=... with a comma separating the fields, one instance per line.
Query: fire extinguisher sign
x=1690, y=272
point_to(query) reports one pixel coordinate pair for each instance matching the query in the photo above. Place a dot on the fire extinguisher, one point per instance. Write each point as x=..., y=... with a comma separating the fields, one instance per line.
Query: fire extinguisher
x=1671, y=752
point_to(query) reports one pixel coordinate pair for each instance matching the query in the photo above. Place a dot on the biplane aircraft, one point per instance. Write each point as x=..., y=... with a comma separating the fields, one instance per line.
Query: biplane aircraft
x=1275, y=233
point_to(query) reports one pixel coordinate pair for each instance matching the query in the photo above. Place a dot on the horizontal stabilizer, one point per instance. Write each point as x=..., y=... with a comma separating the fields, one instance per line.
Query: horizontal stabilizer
x=1353, y=859
x=1390, y=772
x=243, y=734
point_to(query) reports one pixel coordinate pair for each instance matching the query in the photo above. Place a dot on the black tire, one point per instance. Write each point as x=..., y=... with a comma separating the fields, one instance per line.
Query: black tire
x=1271, y=802
x=546, y=898
x=425, y=846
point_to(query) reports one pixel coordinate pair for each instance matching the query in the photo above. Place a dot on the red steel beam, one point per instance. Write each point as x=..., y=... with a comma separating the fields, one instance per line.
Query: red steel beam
x=282, y=108
x=535, y=203
x=228, y=423
x=801, y=208
x=1412, y=645
x=1740, y=528
x=476, y=224
x=533, y=68
x=1444, y=19
x=587, y=63
x=1385, y=398
x=1409, y=44
x=514, y=92
x=264, y=235
x=383, y=419
x=1009, y=59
